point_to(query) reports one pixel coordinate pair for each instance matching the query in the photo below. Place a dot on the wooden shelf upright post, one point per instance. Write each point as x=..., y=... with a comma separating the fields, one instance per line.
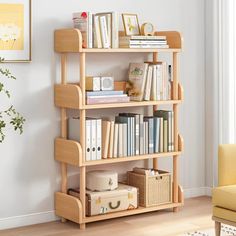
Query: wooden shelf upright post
x=175, y=109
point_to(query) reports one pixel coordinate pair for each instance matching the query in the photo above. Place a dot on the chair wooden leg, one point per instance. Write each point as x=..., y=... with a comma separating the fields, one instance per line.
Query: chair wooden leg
x=217, y=228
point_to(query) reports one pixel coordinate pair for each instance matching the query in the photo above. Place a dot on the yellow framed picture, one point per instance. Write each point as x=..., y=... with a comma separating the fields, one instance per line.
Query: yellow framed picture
x=131, y=25
x=15, y=30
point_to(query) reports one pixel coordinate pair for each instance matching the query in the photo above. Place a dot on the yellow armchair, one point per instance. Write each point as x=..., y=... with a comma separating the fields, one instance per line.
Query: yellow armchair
x=224, y=196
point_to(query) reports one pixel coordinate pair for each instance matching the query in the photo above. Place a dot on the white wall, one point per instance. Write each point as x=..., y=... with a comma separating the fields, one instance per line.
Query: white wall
x=29, y=175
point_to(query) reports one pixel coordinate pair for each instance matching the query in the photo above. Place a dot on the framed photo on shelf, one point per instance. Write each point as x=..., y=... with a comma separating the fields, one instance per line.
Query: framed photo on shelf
x=131, y=24
x=15, y=30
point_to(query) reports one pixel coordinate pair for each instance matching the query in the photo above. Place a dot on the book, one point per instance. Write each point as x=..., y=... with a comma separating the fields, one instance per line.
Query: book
x=156, y=134
x=106, y=128
x=161, y=137
x=165, y=136
x=111, y=140
x=120, y=140
x=83, y=22
x=142, y=42
x=74, y=133
x=115, y=145
x=137, y=80
x=99, y=139
x=150, y=121
x=141, y=135
x=154, y=83
x=142, y=37
x=145, y=46
x=107, y=99
x=97, y=32
x=104, y=31
x=124, y=139
x=147, y=91
x=159, y=81
x=103, y=93
x=115, y=30
x=146, y=136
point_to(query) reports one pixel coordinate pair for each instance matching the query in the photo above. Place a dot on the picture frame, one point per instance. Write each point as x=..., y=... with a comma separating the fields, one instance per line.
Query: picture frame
x=131, y=24
x=15, y=30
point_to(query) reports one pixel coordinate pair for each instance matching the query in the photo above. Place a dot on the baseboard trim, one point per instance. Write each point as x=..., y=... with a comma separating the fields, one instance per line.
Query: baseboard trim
x=48, y=216
x=197, y=192
x=30, y=219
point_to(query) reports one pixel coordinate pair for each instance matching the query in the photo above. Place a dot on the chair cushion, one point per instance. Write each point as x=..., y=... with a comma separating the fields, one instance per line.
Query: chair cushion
x=225, y=197
x=224, y=214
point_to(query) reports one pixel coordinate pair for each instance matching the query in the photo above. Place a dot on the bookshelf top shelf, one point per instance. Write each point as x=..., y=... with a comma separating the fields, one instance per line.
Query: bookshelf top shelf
x=70, y=41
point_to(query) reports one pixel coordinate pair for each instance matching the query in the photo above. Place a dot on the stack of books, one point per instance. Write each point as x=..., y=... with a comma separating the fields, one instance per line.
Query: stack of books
x=105, y=97
x=134, y=134
x=149, y=81
x=140, y=41
x=99, y=30
x=93, y=130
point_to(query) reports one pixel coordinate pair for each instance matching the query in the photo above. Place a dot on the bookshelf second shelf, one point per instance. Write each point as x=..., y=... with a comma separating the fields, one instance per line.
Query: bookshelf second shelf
x=70, y=152
x=70, y=96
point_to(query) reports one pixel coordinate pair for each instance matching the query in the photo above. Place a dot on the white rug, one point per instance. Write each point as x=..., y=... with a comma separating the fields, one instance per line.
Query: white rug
x=225, y=231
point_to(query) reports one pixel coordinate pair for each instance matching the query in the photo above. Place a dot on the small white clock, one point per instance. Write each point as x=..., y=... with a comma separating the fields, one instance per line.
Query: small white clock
x=147, y=29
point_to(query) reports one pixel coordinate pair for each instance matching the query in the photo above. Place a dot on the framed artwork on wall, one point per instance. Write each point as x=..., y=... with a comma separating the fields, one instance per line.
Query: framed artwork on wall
x=131, y=25
x=15, y=30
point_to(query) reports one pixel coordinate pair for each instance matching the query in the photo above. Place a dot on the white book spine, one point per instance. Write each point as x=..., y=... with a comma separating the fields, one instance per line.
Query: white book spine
x=159, y=84
x=146, y=137
x=124, y=132
x=104, y=31
x=148, y=85
x=120, y=141
x=115, y=145
x=99, y=139
x=115, y=30
x=93, y=141
x=154, y=83
x=90, y=30
x=141, y=135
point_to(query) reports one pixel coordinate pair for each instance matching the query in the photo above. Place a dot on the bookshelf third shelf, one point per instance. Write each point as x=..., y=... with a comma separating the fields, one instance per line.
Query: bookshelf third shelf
x=70, y=152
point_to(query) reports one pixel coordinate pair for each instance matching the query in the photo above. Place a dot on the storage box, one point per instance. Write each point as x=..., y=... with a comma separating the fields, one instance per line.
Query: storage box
x=101, y=180
x=153, y=189
x=123, y=198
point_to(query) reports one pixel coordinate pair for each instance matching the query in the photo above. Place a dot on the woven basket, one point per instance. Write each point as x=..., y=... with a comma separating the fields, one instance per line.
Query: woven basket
x=153, y=190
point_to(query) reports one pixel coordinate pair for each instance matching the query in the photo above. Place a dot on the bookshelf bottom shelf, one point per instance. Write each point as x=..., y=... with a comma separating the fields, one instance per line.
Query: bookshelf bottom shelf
x=139, y=210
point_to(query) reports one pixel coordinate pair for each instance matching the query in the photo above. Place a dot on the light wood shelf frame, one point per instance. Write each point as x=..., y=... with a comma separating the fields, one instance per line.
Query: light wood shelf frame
x=72, y=96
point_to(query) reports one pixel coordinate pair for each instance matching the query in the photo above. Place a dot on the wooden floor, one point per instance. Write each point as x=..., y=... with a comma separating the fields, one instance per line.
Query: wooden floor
x=196, y=214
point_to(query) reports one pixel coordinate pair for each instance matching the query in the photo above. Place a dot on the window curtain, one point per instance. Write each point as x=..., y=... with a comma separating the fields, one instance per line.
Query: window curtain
x=227, y=71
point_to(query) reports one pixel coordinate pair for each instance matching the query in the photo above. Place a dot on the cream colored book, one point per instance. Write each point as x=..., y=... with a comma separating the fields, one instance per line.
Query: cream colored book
x=120, y=141
x=161, y=135
x=147, y=91
x=111, y=140
x=106, y=125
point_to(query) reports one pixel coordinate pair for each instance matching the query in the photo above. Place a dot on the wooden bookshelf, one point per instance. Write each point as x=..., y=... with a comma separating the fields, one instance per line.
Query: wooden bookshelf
x=69, y=152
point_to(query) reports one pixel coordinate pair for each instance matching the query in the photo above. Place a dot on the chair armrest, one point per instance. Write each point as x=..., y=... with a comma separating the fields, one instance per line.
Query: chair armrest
x=227, y=164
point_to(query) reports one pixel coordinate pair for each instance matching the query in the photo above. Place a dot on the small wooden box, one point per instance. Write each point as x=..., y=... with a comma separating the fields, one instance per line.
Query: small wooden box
x=153, y=190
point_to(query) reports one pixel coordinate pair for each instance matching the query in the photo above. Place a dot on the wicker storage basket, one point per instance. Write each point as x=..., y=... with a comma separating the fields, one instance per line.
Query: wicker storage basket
x=153, y=190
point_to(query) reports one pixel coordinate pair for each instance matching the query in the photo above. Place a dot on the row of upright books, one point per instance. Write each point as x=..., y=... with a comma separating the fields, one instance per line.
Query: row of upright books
x=99, y=30
x=128, y=135
x=149, y=81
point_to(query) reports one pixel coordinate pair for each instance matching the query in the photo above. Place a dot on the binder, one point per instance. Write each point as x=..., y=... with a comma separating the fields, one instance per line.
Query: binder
x=74, y=134
x=99, y=139
x=93, y=133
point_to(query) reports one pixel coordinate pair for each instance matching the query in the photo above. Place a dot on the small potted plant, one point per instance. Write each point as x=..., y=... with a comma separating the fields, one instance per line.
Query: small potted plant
x=9, y=116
